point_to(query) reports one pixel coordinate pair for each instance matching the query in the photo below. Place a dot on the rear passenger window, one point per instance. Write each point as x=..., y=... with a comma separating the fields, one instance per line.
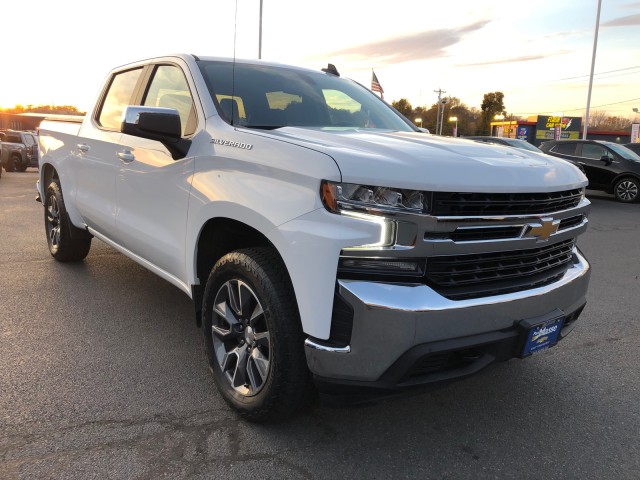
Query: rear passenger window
x=117, y=98
x=565, y=148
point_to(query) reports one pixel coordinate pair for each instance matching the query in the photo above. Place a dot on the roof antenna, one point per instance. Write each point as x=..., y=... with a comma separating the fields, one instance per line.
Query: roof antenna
x=233, y=72
x=331, y=68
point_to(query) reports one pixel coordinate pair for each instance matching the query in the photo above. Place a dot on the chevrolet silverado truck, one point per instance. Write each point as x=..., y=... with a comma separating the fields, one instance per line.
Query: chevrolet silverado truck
x=326, y=242
x=19, y=150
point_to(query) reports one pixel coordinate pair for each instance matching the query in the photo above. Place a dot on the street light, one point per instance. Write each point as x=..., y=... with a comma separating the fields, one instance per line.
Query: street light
x=500, y=117
x=419, y=120
x=455, y=130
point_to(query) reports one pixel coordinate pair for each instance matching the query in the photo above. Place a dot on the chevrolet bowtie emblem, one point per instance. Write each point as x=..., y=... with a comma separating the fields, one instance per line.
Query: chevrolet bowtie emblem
x=542, y=230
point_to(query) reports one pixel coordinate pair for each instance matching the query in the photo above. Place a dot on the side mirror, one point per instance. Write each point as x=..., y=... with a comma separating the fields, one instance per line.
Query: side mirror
x=606, y=159
x=156, y=123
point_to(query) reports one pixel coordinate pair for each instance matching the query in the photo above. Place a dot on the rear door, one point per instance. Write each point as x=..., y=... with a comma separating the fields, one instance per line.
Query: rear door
x=96, y=154
x=31, y=150
x=153, y=188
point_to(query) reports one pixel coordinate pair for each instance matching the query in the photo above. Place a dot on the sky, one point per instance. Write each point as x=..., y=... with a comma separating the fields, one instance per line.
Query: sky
x=537, y=53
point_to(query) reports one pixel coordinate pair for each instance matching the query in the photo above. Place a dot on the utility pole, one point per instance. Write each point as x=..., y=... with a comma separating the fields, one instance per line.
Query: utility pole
x=439, y=92
x=593, y=64
x=260, y=34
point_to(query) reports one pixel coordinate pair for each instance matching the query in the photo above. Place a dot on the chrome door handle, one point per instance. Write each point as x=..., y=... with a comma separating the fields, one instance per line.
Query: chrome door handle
x=83, y=147
x=126, y=156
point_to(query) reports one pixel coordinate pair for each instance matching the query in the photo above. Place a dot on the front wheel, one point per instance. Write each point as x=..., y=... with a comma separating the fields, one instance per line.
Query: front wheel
x=253, y=337
x=67, y=243
x=627, y=190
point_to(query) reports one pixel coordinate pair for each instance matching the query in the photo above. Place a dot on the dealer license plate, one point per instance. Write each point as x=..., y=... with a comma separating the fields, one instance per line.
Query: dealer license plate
x=542, y=336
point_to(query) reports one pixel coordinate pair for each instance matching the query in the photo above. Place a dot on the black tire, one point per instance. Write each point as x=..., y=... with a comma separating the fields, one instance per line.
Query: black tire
x=16, y=160
x=9, y=166
x=627, y=190
x=67, y=243
x=255, y=347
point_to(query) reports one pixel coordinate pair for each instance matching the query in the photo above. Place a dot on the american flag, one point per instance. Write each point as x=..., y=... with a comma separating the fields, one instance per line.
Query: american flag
x=375, y=84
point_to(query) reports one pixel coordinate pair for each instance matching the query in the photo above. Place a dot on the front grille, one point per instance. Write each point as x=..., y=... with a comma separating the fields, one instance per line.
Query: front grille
x=571, y=222
x=442, y=362
x=459, y=277
x=477, y=234
x=491, y=204
x=485, y=233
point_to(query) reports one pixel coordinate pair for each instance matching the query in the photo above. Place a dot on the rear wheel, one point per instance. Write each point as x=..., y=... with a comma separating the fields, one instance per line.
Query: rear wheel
x=16, y=163
x=10, y=166
x=20, y=166
x=67, y=243
x=627, y=190
x=253, y=337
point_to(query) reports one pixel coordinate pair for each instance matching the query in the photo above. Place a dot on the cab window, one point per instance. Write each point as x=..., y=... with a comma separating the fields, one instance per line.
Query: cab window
x=119, y=95
x=169, y=89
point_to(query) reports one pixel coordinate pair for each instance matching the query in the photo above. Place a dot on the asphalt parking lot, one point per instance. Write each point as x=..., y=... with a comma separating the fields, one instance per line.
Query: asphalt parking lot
x=102, y=376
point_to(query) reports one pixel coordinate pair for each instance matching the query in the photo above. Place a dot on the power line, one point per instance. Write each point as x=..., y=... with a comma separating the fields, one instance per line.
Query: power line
x=582, y=108
x=560, y=80
x=600, y=73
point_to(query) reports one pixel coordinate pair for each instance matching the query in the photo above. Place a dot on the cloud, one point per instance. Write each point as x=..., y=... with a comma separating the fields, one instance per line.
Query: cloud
x=629, y=20
x=523, y=58
x=632, y=6
x=416, y=46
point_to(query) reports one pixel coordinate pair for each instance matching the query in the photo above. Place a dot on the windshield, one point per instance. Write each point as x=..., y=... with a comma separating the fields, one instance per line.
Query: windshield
x=265, y=96
x=624, y=152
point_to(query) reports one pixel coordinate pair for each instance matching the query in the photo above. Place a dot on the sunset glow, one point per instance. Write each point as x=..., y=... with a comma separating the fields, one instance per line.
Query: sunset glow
x=538, y=54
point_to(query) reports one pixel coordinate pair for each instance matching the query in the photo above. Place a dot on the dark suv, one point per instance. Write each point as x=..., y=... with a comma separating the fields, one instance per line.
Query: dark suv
x=609, y=166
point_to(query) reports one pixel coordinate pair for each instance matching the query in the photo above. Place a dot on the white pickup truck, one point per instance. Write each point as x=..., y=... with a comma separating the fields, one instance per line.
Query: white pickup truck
x=326, y=242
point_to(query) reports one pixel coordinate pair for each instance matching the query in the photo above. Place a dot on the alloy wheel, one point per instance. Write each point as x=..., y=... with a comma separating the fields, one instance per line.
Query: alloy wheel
x=53, y=222
x=241, y=338
x=627, y=190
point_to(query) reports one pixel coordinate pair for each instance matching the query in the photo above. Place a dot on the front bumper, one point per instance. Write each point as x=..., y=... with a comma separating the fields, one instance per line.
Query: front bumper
x=407, y=335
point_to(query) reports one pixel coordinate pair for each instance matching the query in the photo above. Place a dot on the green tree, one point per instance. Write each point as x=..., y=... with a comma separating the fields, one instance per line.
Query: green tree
x=59, y=109
x=468, y=118
x=404, y=107
x=492, y=104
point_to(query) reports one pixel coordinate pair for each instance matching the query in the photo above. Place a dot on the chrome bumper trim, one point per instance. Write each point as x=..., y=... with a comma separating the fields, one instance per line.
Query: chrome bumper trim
x=316, y=346
x=421, y=298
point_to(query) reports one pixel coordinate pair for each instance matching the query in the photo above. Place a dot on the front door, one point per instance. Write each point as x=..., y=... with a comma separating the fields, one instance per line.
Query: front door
x=598, y=171
x=153, y=188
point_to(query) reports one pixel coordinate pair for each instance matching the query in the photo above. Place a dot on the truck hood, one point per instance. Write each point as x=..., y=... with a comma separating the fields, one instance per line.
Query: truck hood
x=428, y=162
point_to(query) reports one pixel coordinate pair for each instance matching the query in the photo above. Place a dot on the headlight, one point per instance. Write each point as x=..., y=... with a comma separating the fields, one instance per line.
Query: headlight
x=350, y=196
